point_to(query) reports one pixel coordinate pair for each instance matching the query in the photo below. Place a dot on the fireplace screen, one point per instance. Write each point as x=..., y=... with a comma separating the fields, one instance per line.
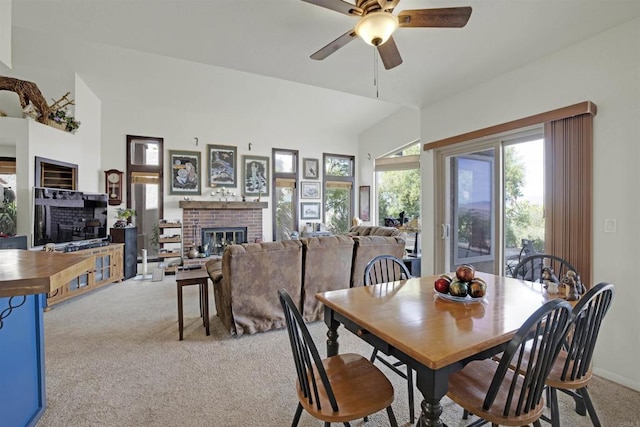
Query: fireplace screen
x=216, y=239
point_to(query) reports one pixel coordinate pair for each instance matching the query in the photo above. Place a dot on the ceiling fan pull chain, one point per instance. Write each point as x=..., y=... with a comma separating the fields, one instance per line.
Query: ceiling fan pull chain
x=376, y=80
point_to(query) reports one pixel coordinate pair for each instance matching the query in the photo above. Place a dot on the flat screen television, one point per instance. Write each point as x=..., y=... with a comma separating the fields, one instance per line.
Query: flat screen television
x=66, y=216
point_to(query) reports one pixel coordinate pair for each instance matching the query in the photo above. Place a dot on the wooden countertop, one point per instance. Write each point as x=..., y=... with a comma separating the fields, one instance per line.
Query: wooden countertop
x=25, y=272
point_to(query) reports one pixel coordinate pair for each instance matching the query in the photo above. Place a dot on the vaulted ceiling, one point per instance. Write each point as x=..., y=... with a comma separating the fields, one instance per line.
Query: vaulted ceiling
x=274, y=38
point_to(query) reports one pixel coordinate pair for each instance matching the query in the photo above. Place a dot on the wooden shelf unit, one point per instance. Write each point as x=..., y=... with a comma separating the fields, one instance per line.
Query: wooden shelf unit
x=107, y=268
x=174, y=250
x=56, y=174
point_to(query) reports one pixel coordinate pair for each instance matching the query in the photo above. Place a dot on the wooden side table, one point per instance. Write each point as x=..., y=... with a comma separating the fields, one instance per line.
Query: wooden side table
x=198, y=277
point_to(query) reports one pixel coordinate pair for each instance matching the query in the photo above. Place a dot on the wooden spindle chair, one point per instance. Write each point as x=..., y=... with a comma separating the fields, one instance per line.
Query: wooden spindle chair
x=382, y=269
x=340, y=388
x=498, y=394
x=571, y=371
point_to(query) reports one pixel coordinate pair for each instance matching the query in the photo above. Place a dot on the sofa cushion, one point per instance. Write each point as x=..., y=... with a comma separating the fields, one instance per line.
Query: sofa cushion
x=326, y=266
x=368, y=247
x=252, y=274
x=373, y=230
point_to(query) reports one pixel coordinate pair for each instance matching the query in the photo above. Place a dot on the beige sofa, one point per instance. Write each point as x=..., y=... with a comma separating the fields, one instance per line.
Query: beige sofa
x=373, y=230
x=248, y=277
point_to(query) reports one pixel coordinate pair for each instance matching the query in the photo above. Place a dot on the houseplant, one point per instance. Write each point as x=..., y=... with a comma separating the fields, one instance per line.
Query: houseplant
x=62, y=119
x=123, y=216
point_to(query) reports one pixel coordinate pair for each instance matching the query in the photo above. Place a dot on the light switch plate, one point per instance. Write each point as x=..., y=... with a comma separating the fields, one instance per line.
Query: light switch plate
x=610, y=225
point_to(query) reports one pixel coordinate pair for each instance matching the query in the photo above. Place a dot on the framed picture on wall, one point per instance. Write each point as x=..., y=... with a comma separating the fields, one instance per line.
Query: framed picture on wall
x=309, y=190
x=184, y=172
x=222, y=166
x=310, y=168
x=310, y=210
x=255, y=176
x=364, y=202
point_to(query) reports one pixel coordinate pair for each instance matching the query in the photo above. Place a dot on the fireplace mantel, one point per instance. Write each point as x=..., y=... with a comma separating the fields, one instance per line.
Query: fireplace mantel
x=205, y=204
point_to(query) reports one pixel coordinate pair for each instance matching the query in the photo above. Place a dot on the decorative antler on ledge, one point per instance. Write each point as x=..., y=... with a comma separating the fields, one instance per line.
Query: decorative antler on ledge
x=28, y=93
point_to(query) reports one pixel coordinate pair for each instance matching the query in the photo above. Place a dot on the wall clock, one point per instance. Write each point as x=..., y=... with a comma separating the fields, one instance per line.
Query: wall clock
x=113, y=186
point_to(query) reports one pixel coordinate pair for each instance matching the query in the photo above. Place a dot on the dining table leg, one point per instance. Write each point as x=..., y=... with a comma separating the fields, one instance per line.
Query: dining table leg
x=332, y=332
x=433, y=384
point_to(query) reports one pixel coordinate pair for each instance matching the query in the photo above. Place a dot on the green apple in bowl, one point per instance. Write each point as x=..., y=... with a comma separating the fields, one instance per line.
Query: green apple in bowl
x=458, y=288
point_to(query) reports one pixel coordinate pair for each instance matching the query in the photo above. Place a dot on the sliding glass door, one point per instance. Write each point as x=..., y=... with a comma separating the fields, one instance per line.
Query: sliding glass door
x=489, y=202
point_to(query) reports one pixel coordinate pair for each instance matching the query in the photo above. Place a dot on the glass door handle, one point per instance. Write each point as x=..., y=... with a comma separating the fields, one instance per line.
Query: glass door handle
x=445, y=231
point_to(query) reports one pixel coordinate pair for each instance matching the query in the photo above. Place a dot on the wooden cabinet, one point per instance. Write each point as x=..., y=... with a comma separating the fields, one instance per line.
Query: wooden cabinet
x=170, y=242
x=128, y=236
x=107, y=268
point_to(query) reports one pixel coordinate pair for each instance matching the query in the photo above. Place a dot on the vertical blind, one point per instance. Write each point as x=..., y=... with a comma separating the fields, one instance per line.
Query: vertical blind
x=568, y=191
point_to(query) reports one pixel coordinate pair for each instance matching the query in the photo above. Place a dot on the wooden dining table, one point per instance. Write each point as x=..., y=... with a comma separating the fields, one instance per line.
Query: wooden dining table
x=432, y=335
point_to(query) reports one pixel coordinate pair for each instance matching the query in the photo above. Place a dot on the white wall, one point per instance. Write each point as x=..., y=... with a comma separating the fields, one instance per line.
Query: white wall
x=228, y=108
x=606, y=70
x=5, y=32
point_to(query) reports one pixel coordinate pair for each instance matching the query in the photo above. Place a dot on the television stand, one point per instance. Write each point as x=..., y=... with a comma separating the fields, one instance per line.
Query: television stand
x=107, y=269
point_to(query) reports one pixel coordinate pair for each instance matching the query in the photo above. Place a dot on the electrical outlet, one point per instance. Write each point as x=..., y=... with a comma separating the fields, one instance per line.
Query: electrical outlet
x=610, y=225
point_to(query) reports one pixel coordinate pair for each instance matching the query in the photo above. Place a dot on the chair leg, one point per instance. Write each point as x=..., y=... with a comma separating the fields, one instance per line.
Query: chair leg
x=326, y=424
x=347, y=425
x=296, y=417
x=581, y=409
x=548, y=396
x=589, y=404
x=373, y=355
x=392, y=418
x=555, y=411
x=537, y=423
x=410, y=387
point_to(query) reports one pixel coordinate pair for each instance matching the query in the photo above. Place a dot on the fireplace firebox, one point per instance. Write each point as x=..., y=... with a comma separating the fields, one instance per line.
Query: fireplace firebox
x=215, y=239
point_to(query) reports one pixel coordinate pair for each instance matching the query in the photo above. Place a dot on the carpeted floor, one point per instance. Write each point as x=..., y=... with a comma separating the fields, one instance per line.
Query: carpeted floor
x=113, y=359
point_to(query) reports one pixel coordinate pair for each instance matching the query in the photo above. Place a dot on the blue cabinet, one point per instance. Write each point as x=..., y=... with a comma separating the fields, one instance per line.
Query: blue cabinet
x=22, y=387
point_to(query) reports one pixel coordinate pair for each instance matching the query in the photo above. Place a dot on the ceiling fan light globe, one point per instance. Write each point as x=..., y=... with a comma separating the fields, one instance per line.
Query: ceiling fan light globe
x=375, y=28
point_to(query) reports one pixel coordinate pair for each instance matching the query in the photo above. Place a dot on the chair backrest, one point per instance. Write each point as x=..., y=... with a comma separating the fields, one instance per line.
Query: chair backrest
x=305, y=355
x=385, y=268
x=539, y=337
x=584, y=328
x=530, y=267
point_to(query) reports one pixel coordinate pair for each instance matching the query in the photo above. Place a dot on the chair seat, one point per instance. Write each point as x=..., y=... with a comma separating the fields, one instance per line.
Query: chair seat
x=555, y=376
x=468, y=388
x=347, y=372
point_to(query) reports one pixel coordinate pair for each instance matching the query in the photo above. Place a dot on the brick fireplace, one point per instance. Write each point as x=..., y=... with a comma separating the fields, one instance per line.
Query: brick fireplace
x=199, y=215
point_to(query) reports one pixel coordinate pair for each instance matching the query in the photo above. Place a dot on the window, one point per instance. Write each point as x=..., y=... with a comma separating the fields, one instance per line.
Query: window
x=568, y=177
x=285, y=195
x=398, y=189
x=8, y=206
x=144, y=189
x=338, y=194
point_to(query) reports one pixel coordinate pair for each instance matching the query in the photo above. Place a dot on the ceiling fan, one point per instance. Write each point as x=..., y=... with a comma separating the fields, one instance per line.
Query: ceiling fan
x=377, y=24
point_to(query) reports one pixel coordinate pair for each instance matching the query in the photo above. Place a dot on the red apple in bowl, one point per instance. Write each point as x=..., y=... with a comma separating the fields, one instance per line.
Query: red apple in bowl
x=465, y=272
x=442, y=285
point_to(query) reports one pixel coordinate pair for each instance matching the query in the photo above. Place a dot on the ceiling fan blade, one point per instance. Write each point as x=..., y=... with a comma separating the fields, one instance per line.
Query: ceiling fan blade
x=390, y=54
x=388, y=4
x=334, y=45
x=338, y=6
x=452, y=17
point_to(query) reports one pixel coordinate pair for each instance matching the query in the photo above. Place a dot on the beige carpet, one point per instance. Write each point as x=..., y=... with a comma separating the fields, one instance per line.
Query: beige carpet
x=114, y=359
